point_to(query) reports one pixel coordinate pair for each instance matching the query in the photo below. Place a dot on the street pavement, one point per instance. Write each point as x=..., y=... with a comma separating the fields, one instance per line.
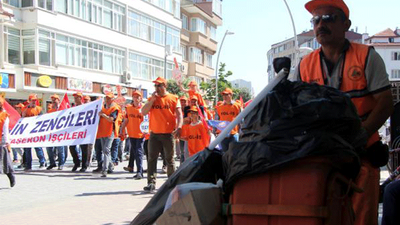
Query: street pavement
x=64, y=197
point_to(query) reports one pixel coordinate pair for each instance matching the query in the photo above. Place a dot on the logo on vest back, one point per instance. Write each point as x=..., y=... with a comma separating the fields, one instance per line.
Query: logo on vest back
x=355, y=73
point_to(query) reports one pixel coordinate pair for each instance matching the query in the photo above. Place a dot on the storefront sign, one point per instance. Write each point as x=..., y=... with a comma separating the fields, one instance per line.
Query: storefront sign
x=4, y=80
x=44, y=81
x=80, y=85
x=106, y=88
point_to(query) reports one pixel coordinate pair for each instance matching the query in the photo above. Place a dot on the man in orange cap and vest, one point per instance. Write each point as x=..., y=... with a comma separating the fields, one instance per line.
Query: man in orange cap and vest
x=33, y=110
x=359, y=71
x=165, y=123
x=55, y=99
x=228, y=111
x=108, y=129
x=6, y=166
x=193, y=91
x=132, y=121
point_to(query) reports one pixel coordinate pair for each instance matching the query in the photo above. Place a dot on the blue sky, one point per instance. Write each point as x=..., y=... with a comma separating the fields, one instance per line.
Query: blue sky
x=260, y=23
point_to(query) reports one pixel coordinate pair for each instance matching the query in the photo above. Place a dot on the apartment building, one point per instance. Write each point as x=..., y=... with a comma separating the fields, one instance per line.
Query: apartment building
x=387, y=44
x=306, y=44
x=93, y=46
x=240, y=83
x=200, y=19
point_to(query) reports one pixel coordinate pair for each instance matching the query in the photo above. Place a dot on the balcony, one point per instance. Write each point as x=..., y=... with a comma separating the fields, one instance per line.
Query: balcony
x=202, y=41
x=210, y=9
x=196, y=69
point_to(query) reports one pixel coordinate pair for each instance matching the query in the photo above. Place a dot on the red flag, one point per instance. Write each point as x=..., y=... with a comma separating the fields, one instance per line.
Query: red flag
x=248, y=102
x=64, y=103
x=241, y=101
x=14, y=115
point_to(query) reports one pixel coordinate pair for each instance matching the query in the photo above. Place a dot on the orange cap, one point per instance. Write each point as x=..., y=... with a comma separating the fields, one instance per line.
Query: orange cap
x=227, y=91
x=193, y=109
x=138, y=93
x=55, y=96
x=194, y=97
x=160, y=80
x=183, y=98
x=87, y=97
x=192, y=83
x=32, y=97
x=110, y=95
x=79, y=94
x=314, y=4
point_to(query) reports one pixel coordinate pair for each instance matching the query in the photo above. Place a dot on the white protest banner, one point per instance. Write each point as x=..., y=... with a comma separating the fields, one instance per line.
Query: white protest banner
x=73, y=126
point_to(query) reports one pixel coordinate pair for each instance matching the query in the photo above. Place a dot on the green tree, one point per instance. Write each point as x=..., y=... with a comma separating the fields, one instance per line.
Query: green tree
x=209, y=87
x=244, y=92
x=173, y=87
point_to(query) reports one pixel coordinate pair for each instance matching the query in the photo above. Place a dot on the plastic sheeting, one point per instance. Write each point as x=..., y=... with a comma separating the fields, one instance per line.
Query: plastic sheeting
x=296, y=108
x=205, y=166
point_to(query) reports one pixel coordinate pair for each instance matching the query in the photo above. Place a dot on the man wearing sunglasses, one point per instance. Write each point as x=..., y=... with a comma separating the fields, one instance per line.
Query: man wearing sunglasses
x=359, y=71
x=165, y=123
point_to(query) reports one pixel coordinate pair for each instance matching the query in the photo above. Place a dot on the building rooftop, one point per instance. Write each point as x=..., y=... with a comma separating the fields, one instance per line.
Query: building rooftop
x=384, y=34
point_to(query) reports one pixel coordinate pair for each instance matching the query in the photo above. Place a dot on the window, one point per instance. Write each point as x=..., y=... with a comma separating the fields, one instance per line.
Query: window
x=12, y=2
x=184, y=52
x=45, y=4
x=44, y=48
x=209, y=60
x=28, y=43
x=173, y=38
x=74, y=52
x=395, y=56
x=27, y=3
x=147, y=68
x=13, y=45
x=104, y=13
x=185, y=22
x=395, y=74
x=198, y=25
x=213, y=33
x=196, y=55
x=172, y=6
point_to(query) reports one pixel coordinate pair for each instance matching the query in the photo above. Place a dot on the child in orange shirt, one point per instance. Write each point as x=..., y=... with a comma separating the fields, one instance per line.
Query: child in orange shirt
x=197, y=136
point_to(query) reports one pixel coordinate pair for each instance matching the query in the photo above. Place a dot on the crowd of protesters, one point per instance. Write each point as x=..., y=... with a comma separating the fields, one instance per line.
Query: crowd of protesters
x=177, y=130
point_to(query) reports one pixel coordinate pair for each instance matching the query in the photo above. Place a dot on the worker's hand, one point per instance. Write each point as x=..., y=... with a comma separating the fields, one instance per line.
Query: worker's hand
x=177, y=132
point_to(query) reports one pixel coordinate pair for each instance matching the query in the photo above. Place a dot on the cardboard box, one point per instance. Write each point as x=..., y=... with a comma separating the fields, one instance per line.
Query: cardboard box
x=199, y=207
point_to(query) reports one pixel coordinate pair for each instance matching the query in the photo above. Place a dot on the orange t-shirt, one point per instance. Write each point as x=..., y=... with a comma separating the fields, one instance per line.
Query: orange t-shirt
x=162, y=114
x=197, y=137
x=51, y=110
x=200, y=100
x=229, y=113
x=135, y=118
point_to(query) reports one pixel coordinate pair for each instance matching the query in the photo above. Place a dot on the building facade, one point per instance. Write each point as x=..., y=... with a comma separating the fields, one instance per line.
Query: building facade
x=200, y=19
x=93, y=46
x=387, y=44
x=240, y=83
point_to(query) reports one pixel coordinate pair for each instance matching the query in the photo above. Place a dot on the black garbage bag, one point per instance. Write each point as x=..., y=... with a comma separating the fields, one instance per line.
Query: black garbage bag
x=249, y=158
x=296, y=108
x=204, y=166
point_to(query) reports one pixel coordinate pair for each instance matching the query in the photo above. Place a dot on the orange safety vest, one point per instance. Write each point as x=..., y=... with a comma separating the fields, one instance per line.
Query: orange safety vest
x=3, y=117
x=33, y=111
x=106, y=128
x=353, y=80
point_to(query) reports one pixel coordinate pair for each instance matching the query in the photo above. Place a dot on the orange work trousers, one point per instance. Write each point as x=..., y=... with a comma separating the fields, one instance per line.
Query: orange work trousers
x=365, y=205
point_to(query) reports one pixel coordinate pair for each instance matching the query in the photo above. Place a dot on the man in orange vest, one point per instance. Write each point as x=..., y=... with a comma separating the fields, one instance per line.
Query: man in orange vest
x=55, y=99
x=33, y=110
x=165, y=123
x=132, y=121
x=6, y=166
x=228, y=111
x=359, y=71
x=108, y=129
